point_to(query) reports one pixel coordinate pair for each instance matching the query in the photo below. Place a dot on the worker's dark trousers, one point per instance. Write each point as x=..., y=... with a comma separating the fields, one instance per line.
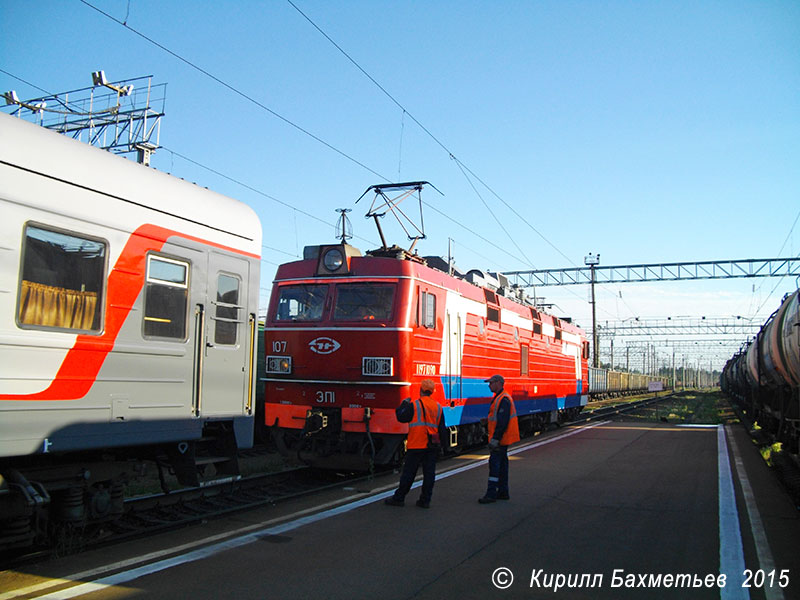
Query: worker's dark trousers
x=413, y=459
x=498, y=472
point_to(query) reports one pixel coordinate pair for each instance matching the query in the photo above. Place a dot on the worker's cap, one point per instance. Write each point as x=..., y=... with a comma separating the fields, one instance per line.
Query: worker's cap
x=427, y=385
x=495, y=379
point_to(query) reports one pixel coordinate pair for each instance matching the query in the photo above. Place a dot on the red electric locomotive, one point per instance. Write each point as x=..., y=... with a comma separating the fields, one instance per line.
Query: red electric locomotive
x=347, y=337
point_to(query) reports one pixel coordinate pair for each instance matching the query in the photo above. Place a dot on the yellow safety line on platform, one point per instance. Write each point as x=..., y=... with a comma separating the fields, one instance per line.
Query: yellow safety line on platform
x=480, y=457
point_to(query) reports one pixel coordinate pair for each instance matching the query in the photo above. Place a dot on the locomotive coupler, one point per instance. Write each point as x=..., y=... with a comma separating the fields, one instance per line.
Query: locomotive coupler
x=315, y=422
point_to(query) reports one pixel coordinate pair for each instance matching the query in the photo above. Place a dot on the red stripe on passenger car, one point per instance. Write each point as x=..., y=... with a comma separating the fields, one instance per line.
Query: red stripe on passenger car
x=79, y=369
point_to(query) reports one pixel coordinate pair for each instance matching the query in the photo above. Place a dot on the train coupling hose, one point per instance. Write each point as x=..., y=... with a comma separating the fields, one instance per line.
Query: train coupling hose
x=367, y=418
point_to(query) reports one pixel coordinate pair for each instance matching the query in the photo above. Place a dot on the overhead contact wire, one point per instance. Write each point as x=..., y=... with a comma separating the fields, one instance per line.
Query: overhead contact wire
x=425, y=129
x=235, y=90
x=274, y=113
x=458, y=162
x=367, y=75
x=254, y=190
x=291, y=123
x=491, y=212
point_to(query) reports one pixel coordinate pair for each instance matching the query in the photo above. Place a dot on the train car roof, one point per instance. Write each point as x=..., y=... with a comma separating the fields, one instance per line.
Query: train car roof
x=39, y=150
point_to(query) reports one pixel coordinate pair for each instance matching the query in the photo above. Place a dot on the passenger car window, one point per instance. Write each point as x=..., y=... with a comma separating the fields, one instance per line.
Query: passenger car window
x=227, y=313
x=166, y=297
x=62, y=280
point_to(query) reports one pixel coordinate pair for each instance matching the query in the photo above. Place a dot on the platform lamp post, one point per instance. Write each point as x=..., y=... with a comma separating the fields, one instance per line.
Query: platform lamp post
x=592, y=261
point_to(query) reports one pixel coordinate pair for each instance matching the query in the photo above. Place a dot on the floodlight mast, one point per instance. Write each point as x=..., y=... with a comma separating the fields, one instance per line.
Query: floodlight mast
x=108, y=123
x=592, y=261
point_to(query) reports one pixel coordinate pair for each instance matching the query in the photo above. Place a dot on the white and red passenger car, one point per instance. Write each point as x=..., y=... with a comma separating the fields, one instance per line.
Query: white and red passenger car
x=128, y=303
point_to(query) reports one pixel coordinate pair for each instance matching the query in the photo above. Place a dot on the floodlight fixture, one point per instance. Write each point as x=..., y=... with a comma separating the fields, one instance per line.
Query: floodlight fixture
x=11, y=97
x=99, y=78
x=592, y=261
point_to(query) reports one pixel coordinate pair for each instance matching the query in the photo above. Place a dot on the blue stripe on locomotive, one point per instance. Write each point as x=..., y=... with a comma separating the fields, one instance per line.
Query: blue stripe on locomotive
x=477, y=401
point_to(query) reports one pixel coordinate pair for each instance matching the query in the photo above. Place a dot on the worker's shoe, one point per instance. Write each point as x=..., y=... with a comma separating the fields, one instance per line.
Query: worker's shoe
x=487, y=500
x=392, y=501
x=423, y=504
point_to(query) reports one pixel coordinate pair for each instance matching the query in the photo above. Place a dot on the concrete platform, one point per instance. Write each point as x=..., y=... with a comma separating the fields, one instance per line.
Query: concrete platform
x=607, y=511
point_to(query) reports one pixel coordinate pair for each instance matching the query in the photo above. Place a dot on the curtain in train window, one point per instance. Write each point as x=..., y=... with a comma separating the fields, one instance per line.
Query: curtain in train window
x=62, y=280
x=166, y=297
x=227, y=313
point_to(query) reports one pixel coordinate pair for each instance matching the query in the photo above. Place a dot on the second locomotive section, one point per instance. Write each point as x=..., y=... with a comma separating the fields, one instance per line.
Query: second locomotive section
x=348, y=337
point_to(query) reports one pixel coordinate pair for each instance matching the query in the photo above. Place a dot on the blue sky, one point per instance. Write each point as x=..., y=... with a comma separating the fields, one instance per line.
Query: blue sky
x=646, y=131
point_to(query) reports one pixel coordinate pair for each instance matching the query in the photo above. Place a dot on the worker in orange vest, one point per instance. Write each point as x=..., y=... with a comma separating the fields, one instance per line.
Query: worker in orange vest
x=425, y=427
x=503, y=431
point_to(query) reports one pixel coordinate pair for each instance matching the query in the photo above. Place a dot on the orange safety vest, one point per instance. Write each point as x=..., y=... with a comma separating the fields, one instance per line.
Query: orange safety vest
x=424, y=422
x=512, y=431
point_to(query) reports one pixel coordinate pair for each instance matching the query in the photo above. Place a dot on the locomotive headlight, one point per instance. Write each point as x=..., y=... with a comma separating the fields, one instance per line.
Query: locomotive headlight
x=281, y=365
x=333, y=259
x=377, y=366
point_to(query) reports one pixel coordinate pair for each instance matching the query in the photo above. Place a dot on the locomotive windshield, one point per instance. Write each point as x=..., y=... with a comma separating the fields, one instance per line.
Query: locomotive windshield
x=364, y=302
x=301, y=303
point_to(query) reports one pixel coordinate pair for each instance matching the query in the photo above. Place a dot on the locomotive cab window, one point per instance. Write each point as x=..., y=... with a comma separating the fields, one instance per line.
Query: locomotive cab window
x=364, y=302
x=227, y=312
x=62, y=280
x=166, y=297
x=301, y=302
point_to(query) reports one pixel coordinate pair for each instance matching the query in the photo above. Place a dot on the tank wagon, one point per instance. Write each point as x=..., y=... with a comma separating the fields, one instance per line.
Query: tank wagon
x=348, y=336
x=764, y=377
x=128, y=302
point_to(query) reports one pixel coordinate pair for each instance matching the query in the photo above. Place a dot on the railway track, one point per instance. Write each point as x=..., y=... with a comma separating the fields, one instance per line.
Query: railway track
x=616, y=409
x=148, y=515
x=155, y=513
